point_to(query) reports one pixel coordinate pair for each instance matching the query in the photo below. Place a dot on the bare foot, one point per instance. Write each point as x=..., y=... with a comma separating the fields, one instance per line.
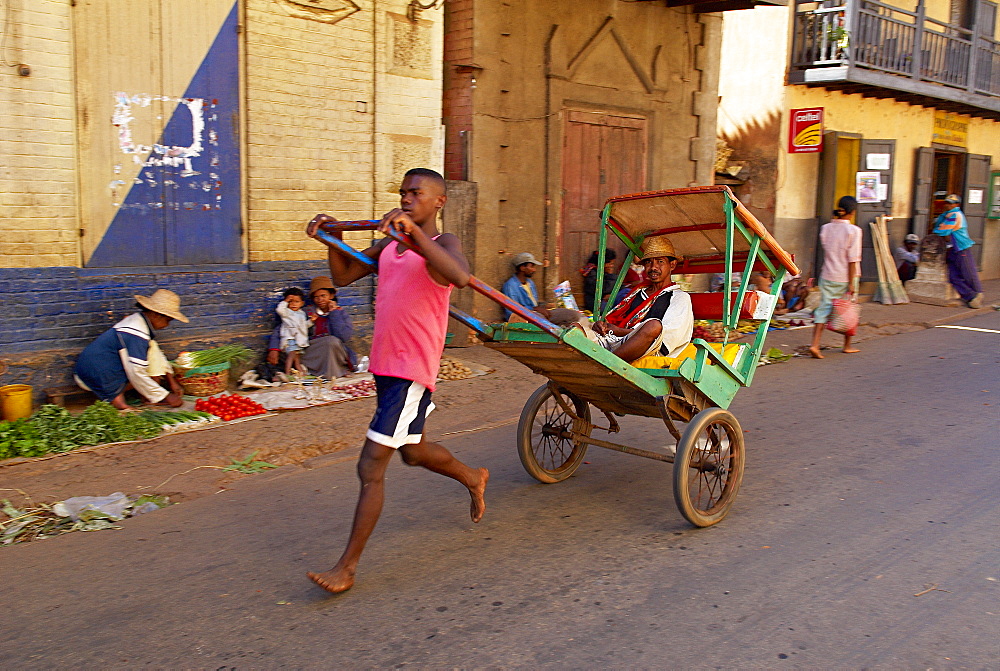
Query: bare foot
x=814, y=353
x=333, y=581
x=478, y=505
x=851, y=351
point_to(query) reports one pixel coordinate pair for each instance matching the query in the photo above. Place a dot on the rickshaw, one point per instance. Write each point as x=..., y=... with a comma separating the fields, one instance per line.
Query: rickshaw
x=714, y=233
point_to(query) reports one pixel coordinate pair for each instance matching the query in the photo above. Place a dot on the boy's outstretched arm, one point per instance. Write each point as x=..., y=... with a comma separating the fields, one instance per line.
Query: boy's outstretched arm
x=343, y=269
x=445, y=260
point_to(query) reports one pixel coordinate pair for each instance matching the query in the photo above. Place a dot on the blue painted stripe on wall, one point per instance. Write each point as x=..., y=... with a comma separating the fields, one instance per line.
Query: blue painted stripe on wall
x=63, y=308
x=188, y=213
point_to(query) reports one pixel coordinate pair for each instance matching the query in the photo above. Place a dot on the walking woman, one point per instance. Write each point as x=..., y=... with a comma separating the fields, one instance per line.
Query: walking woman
x=841, y=241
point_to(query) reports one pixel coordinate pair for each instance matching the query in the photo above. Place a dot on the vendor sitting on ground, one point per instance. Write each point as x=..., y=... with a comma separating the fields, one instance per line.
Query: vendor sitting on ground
x=328, y=354
x=656, y=318
x=126, y=356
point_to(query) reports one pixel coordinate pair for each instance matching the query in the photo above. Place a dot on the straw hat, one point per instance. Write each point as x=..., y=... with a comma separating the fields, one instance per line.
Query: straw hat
x=321, y=282
x=657, y=246
x=164, y=301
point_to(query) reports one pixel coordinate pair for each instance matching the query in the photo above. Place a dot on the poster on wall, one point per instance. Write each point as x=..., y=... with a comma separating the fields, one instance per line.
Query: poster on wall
x=868, y=187
x=805, y=130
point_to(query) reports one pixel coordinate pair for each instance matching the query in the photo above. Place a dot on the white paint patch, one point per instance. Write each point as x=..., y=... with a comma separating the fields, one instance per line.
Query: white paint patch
x=127, y=107
x=965, y=328
x=172, y=155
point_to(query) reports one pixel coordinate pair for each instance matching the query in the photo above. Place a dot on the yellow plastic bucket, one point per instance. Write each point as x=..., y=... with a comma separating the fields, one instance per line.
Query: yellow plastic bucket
x=15, y=401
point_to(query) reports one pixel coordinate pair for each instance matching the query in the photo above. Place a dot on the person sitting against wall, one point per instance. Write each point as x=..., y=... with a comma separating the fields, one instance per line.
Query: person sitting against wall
x=127, y=356
x=907, y=257
x=328, y=354
x=519, y=287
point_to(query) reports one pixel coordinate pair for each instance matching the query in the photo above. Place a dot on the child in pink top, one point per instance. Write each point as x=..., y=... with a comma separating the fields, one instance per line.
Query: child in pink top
x=411, y=316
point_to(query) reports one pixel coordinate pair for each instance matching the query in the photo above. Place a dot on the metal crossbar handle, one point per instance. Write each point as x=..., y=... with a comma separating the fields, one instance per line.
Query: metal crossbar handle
x=474, y=282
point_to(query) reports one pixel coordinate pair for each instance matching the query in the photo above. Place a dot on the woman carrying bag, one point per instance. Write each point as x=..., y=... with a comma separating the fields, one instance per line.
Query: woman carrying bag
x=838, y=280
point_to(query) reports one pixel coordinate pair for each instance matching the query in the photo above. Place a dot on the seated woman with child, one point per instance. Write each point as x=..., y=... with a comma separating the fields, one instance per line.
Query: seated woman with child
x=328, y=354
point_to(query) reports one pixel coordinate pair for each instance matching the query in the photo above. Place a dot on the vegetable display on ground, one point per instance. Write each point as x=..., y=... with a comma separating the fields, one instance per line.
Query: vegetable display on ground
x=52, y=429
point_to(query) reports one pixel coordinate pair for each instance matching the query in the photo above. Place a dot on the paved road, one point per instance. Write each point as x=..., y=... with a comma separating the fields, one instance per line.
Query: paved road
x=869, y=479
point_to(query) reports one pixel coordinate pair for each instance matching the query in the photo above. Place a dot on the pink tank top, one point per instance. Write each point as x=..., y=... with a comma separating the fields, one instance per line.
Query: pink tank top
x=411, y=318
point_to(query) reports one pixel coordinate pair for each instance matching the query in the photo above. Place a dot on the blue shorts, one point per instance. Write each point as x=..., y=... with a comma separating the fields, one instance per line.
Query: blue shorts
x=403, y=406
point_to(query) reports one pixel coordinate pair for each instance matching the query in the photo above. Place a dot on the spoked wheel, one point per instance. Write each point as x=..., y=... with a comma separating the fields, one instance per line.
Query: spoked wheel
x=708, y=467
x=547, y=452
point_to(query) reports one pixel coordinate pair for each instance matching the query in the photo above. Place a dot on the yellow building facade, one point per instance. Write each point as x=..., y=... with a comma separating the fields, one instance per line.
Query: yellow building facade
x=918, y=160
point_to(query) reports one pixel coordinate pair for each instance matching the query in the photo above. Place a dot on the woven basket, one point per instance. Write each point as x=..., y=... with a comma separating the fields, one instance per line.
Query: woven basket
x=204, y=380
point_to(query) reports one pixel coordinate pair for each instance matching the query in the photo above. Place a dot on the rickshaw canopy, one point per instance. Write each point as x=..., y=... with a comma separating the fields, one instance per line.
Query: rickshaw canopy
x=698, y=221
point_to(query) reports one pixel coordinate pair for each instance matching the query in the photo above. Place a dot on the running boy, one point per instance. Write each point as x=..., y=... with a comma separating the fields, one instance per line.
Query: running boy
x=294, y=329
x=411, y=317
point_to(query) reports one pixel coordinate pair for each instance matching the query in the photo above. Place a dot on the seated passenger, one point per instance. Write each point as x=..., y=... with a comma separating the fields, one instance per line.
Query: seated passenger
x=656, y=318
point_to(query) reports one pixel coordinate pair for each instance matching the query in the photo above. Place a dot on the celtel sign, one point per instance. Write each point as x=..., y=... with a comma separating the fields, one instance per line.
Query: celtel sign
x=805, y=130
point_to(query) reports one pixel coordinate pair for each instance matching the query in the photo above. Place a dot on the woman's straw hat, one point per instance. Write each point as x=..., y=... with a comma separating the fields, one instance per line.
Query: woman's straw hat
x=321, y=282
x=657, y=246
x=164, y=301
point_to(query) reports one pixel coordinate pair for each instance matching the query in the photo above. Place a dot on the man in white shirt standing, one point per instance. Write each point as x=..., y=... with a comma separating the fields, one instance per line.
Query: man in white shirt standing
x=656, y=318
x=841, y=241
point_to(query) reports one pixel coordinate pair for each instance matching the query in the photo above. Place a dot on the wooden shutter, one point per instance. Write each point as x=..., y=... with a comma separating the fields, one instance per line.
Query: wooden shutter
x=977, y=178
x=826, y=199
x=867, y=212
x=922, y=186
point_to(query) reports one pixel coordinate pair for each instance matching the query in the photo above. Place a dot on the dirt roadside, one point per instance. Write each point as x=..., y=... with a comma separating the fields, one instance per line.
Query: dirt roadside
x=187, y=466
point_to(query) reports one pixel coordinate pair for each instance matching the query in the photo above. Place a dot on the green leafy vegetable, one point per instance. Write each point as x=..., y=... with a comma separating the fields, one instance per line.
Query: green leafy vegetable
x=774, y=355
x=231, y=354
x=248, y=465
x=52, y=429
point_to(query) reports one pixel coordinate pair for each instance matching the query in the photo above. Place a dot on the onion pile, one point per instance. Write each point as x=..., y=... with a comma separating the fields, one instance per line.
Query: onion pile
x=358, y=389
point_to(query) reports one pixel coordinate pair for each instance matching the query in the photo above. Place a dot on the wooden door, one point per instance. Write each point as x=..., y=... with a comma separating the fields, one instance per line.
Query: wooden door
x=158, y=108
x=923, y=187
x=604, y=155
x=867, y=212
x=977, y=187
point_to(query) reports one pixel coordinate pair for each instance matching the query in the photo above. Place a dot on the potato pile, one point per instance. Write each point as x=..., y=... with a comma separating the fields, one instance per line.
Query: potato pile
x=452, y=369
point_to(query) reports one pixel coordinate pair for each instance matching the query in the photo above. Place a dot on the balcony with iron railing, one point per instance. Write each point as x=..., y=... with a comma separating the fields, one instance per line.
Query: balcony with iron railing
x=879, y=50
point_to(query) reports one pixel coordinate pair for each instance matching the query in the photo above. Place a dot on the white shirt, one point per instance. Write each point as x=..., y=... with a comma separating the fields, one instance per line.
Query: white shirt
x=678, y=322
x=294, y=325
